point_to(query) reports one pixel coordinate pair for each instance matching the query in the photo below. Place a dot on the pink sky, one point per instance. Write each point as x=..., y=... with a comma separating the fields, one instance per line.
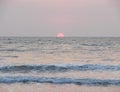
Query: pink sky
x=61, y=3
x=72, y=17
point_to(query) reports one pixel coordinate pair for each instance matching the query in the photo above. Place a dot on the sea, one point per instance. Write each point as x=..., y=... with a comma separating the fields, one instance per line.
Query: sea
x=51, y=64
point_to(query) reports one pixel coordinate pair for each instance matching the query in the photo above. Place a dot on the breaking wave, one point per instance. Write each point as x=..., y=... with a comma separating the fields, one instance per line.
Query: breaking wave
x=54, y=80
x=57, y=68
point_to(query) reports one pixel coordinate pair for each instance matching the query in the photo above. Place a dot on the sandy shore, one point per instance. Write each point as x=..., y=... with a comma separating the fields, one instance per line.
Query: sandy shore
x=55, y=88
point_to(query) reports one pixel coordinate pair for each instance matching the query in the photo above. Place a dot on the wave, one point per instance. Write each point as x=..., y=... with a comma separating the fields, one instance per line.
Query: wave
x=10, y=56
x=11, y=50
x=57, y=68
x=54, y=80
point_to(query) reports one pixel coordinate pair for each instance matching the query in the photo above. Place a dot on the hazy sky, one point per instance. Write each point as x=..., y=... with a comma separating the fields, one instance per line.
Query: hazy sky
x=49, y=17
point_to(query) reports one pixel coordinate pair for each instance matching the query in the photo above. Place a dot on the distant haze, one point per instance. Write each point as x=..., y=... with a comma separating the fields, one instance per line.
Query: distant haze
x=50, y=17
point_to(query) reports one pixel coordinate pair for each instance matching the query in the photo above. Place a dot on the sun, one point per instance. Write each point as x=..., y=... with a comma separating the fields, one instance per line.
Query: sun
x=60, y=35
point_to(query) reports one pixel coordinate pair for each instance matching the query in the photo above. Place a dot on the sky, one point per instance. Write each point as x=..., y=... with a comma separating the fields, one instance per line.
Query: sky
x=50, y=17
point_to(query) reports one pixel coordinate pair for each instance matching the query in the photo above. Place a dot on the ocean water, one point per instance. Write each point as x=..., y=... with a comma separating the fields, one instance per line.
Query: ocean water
x=50, y=64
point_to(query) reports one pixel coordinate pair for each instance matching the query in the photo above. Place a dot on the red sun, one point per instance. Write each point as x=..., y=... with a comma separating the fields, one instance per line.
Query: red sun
x=60, y=35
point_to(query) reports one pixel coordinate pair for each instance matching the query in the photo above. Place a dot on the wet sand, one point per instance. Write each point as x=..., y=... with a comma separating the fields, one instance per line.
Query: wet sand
x=56, y=88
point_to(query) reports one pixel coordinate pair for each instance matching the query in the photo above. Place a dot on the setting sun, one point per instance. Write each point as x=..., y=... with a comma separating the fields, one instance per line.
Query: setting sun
x=60, y=35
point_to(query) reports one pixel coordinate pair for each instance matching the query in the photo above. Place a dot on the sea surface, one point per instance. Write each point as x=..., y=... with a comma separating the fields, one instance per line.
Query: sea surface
x=51, y=64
